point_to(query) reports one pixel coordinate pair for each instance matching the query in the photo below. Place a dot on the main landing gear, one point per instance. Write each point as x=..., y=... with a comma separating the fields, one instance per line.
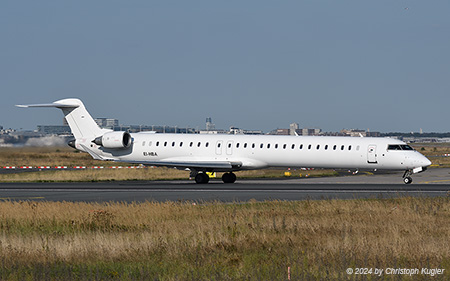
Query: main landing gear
x=229, y=177
x=406, y=177
x=202, y=178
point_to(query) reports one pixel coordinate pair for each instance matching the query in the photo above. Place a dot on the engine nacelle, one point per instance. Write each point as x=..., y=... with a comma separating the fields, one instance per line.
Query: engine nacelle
x=114, y=140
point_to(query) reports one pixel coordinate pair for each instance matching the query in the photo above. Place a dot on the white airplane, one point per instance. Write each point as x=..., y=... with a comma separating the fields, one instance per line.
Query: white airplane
x=229, y=153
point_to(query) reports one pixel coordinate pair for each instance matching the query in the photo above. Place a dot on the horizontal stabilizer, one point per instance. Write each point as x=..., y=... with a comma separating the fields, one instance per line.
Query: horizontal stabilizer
x=57, y=105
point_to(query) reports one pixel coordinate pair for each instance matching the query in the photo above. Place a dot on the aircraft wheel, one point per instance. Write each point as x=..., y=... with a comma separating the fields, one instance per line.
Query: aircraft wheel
x=201, y=178
x=229, y=178
x=407, y=180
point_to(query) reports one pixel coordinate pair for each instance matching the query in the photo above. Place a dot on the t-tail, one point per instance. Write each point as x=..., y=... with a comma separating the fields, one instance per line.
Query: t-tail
x=81, y=123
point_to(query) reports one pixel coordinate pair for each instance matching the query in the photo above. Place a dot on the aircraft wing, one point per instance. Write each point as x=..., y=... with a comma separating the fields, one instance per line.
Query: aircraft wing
x=201, y=164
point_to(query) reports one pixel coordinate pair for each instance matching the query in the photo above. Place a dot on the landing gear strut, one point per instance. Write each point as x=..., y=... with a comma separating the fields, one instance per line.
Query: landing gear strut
x=406, y=177
x=229, y=177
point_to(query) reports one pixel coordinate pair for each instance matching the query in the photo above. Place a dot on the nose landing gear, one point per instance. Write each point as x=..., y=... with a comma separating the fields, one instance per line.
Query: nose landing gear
x=406, y=177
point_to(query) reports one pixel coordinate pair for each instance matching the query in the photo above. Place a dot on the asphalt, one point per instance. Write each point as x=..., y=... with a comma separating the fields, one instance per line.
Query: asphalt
x=434, y=182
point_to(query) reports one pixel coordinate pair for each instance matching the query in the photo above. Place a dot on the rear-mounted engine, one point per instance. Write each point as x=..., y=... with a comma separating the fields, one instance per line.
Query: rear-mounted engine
x=114, y=140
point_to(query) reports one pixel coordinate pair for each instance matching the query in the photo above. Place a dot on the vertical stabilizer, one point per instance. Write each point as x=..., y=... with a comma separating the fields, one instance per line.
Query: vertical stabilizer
x=80, y=121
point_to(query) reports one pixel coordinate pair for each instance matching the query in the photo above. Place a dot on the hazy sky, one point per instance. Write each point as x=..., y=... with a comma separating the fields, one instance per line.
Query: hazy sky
x=383, y=65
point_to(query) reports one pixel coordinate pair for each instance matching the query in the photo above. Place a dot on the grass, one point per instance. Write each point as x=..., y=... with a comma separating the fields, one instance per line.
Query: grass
x=318, y=240
x=141, y=174
x=48, y=156
x=44, y=156
x=435, y=152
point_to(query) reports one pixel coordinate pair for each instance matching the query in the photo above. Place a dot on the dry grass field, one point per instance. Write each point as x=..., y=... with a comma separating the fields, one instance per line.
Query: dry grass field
x=435, y=152
x=318, y=240
x=43, y=156
x=48, y=156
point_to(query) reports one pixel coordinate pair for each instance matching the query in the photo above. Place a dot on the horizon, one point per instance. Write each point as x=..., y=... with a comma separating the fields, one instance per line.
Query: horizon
x=325, y=64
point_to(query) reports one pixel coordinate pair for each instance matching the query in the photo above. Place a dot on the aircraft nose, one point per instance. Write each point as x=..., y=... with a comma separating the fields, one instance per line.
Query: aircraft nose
x=426, y=162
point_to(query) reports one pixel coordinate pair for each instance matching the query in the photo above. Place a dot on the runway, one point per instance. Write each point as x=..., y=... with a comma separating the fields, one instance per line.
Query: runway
x=435, y=182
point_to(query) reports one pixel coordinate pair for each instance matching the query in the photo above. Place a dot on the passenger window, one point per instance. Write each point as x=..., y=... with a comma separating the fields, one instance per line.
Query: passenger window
x=181, y=144
x=229, y=145
x=218, y=145
x=301, y=146
x=357, y=148
x=253, y=145
x=191, y=144
x=334, y=147
x=157, y=143
x=237, y=145
x=268, y=145
x=318, y=146
x=245, y=145
x=165, y=143
x=284, y=146
x=326, y=147
x=276, y=145
x=143, y=143
x=207, y=144
x=173, y=143
x=292, y=146
x=149, y=143
x=261, y=146
x=342, y=147
x=349, y=147
x=198, y=144
x=309, y=146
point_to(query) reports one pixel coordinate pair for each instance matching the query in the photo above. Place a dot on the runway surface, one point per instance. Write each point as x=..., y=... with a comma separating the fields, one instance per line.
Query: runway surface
x=435, y=182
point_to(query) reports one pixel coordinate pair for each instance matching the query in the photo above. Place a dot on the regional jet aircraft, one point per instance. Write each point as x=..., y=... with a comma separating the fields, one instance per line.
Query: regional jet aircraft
x=229, y=153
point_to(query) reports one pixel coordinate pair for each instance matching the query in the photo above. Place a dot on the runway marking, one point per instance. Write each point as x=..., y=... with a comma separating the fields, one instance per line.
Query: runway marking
x=23, y=198
x=427, y=182
x=225, y=190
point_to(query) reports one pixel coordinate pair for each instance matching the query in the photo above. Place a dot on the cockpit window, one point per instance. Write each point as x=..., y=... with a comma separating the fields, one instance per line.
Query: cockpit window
x=394, y=147
x=399, y=147
x=406, y=147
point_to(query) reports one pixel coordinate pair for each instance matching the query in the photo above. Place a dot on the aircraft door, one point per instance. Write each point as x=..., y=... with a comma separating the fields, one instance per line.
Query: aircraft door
x=372, y=154
x=219, y=145
x=230, y=147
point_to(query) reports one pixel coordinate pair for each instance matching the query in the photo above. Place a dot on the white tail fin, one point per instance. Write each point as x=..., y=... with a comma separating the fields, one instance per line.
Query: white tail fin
x=80, y=121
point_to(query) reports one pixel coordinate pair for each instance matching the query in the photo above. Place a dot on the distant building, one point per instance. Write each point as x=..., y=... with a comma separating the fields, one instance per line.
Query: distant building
x=353, y=132
x=373, y=134
x=153, y=128
x=209, y=124
x=293, y=129
x=213, y=132
x=282, y=132
x=53, y=130
x=238, y=131
x=311, y=132
x=359, y=133
x=108, y=123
